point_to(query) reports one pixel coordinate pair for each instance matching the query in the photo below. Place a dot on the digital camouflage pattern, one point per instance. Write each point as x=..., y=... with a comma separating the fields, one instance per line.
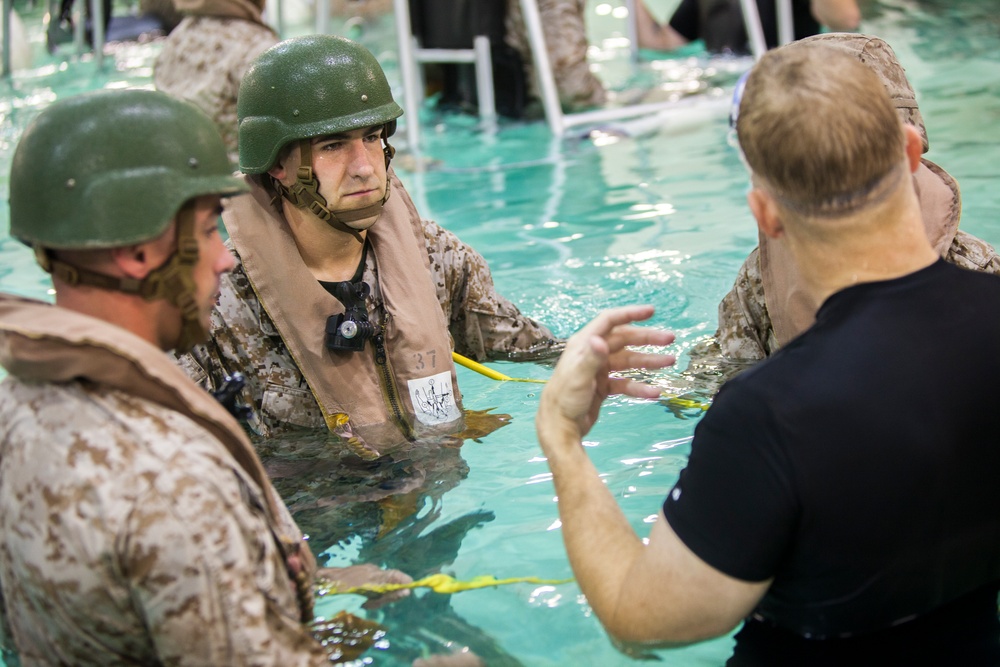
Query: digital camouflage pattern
x=130, y=535
x=745, y=331
x=366, y=9
x=482, y=323
x=566, y=42
x=203, y=61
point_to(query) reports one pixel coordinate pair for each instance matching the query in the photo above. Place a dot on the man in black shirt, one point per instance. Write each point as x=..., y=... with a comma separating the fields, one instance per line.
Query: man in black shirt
x=720, y=23
x=841, y=497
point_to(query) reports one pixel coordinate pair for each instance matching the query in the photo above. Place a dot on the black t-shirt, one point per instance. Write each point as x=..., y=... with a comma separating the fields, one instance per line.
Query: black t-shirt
x=720, y=23
x=963, y=632
x=859, y=467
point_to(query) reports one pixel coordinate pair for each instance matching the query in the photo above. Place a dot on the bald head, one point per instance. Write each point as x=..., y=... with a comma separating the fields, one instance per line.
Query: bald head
x=820, y=130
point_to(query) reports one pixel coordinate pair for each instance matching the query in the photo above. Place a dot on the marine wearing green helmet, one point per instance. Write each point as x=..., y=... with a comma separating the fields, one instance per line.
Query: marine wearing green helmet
x=311, y=87
x=111, y=169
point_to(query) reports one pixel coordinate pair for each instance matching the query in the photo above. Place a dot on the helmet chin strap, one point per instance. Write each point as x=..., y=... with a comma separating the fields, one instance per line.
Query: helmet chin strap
x=172, y=281
x=304, y=192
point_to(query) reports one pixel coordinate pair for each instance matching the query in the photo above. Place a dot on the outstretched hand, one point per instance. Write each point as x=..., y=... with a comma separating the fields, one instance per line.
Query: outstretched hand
x=582, y=380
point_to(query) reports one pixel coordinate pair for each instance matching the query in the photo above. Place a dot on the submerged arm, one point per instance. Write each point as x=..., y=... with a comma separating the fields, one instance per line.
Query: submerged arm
x=970, y=252
x=483, y=323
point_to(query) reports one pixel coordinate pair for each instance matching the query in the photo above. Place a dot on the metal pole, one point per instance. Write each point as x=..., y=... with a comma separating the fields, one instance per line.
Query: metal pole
x=543, y=70
x=279, y=16
x=79, y=29
x=786, y=26
x=408, y=73
x=635, y=110
x=5, y=23
x=97, y=30
x=322, y=17
x=755, y=33
x=484, y=81
x=633, y=32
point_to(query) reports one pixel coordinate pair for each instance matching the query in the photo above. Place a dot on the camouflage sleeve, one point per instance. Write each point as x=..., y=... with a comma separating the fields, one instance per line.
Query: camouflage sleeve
x=196, y=364
x=970, y=252
x=745, y=331
x=744, y=337
x=483, y=324
x=207, y=577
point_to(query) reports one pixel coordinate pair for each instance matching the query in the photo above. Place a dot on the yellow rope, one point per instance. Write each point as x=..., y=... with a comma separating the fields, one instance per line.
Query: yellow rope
x=488, y=372
x=685, y=403
x=439, y=583
x=673, y=401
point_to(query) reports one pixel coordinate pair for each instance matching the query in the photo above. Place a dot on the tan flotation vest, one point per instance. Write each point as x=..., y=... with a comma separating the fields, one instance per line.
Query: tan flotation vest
x=45, y=343
x=791, y=308
x=416, y=391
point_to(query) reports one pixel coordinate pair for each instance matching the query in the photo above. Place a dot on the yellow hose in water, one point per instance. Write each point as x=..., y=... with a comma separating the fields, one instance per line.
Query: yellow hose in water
x=488, y=372
x=439, y=583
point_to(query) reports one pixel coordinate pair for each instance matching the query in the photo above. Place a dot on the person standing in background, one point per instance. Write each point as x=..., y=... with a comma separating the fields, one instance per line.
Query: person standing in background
x=204, y=58
x=720, y=23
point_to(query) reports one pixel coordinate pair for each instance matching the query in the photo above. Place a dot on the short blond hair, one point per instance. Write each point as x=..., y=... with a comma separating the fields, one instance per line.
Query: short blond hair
x=879, y=57
x=820, y=130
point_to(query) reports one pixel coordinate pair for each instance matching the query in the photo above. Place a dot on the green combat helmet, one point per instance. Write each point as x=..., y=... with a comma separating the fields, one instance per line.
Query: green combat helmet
x=111, y=169
x=311, y=87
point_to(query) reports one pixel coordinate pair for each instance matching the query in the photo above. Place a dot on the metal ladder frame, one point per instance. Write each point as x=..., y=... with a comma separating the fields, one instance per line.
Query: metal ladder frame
x=411, y=55
x=559, y=122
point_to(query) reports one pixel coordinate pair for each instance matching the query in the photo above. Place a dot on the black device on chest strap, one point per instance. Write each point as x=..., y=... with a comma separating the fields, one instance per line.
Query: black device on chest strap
x=348, y=331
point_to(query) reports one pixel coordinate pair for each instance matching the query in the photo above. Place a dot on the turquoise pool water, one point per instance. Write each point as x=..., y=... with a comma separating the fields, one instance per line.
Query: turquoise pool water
x=571, y=226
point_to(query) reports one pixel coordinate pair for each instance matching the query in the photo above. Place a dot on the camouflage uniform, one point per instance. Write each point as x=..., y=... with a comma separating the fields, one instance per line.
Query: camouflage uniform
x=566, y=42
x=363, y=8
x=483, y=324
x=136, y=524
x=203, y=61
x=745, y=330
x=245, y=338
x=749, y=331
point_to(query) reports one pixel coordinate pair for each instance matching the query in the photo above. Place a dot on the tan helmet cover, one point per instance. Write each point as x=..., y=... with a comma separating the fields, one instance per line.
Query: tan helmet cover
x=880, y=58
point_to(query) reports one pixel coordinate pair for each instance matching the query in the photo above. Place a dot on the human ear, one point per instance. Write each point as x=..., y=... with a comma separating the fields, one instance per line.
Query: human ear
x=283, y=163
x=914, y=146
x=278, y=171
x=139, y=260
x=132, y=260
x=765, y=212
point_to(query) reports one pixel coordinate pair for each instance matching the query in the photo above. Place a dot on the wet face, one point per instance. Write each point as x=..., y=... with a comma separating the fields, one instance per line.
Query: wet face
x=350, y=168
x=214, y=258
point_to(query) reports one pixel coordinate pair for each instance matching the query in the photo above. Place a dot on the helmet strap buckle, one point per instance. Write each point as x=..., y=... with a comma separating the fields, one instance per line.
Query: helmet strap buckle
x=64, y=272
x=43, y=259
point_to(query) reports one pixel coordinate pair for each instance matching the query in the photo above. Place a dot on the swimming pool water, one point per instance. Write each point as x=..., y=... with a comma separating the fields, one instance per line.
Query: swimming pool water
x=571, y=226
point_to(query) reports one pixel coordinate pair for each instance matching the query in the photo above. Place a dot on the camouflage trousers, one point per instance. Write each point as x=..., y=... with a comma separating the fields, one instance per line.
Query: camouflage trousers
x=566, y=43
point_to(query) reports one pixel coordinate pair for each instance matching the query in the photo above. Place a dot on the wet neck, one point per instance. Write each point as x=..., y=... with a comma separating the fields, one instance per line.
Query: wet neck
x=879, y=245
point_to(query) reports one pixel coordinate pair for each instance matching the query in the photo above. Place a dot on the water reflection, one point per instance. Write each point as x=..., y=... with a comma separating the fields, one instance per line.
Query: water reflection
x=389, y=512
